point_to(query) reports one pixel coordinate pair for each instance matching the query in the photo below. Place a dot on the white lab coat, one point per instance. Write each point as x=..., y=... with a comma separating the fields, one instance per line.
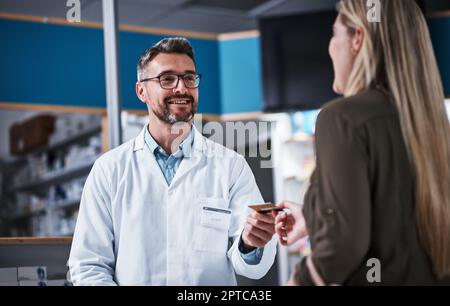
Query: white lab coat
x=134, y=229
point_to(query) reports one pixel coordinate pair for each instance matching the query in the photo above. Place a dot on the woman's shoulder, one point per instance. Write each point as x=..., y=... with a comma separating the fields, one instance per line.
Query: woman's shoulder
x=369, y=105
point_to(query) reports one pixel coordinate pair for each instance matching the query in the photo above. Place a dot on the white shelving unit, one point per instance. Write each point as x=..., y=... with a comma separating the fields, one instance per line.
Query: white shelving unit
x=53, y=216
x=58, y=176
x=293, y=160
x=447, y=105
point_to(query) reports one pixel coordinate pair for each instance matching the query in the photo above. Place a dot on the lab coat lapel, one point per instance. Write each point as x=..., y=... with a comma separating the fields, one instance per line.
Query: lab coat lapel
x=189, y=162
x=146, y=158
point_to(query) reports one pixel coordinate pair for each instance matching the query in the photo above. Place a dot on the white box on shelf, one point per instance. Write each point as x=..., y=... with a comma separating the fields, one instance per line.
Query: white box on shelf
x=8, y=274
x=28, y=283
x=32, y=273
x=57, y=282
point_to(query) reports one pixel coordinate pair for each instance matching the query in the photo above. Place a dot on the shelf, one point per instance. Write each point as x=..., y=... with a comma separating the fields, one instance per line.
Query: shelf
x=62, y=143
x=27, y=214
x=12, y=163
x=71, y=204
x=55, y=177
x=75, y=138
x=67, y=234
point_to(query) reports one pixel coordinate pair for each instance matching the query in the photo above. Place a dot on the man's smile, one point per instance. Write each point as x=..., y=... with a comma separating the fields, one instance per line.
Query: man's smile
x=179, y=101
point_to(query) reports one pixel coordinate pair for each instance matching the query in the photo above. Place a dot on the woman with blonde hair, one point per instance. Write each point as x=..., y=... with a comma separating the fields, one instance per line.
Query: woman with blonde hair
x=378, y=208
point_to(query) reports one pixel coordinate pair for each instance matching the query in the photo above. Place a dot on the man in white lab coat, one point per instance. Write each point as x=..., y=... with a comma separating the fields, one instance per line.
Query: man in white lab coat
x=170, y=207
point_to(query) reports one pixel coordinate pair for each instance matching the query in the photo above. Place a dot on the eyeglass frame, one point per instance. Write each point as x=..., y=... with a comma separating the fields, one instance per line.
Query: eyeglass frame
x=197, y=76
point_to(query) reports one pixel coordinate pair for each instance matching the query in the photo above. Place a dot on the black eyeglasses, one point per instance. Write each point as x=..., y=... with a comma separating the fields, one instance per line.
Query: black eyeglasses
x=170, y=80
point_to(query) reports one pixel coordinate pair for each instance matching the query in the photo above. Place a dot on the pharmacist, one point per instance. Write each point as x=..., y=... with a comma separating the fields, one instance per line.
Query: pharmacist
x=170, y=207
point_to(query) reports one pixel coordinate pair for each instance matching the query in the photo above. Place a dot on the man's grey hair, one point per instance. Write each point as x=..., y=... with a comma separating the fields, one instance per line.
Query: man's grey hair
x=178, y=45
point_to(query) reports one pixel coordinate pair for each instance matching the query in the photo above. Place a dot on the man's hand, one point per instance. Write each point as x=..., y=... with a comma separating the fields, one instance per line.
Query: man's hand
x=258, y=230
x=290, y=226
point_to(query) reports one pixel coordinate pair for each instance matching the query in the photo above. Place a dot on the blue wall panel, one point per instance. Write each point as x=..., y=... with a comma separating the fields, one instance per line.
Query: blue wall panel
x=206, y=53
x=47, y=64
x=240, y=75
x=64, y=65
x=131, y=47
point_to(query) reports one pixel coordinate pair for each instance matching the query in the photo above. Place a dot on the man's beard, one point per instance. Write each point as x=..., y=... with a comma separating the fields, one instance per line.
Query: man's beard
x=166, y=116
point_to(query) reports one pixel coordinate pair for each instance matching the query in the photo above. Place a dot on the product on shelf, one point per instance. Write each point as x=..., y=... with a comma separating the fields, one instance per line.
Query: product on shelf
x=31, y=134
x=69, y=125
x=44, y=189
x=32, y=273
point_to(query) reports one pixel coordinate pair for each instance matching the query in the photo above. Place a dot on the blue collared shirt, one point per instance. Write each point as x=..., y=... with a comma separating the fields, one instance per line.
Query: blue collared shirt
x=253, y=257
x=169, y=165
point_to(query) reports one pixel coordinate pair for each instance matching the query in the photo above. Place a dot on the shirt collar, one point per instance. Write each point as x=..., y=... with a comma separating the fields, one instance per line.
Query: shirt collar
x=185, y=147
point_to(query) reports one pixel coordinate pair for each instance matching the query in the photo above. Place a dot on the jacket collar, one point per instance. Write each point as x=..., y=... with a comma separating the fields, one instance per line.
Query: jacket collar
x=198, y=146
x=184, y=149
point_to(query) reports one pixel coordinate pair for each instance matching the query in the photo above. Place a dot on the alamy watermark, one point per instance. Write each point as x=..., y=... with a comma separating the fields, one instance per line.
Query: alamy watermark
x=373, y=275
x=249, y=139
x=74, y=12
x=373, y=11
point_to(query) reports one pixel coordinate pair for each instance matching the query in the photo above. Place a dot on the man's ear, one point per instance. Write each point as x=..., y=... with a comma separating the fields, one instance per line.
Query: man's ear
x=358, y=40
x=140, y=92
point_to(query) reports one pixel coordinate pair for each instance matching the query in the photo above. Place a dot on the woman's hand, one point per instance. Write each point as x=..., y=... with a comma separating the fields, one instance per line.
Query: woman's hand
x=290, y=225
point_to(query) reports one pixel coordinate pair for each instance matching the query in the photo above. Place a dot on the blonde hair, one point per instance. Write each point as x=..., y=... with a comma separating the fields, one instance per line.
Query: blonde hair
x=398, y=56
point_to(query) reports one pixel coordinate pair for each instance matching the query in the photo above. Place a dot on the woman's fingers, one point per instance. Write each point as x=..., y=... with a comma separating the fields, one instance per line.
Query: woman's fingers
x=287, y=204
x=279, y=229
x=281, y=217
x=293, y=208
x=281, y=232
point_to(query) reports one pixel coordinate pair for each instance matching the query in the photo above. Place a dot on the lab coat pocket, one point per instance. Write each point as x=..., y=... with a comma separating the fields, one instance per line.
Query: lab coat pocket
x=212, y=240
x=212, y=231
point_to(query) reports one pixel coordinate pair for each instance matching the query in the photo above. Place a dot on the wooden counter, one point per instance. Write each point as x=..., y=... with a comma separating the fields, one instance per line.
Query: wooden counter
x=35, y=240
x=51, y=252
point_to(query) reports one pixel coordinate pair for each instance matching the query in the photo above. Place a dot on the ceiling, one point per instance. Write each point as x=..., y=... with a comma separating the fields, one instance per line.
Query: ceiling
x=210, y=16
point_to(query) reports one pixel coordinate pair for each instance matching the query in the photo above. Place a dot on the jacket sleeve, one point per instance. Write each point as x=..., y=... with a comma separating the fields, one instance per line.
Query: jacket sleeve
x=92, y=257
x=338, y=203
x=244, y=192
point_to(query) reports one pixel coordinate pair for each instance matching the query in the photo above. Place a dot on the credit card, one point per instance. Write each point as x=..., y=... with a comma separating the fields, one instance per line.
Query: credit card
x=266, y=207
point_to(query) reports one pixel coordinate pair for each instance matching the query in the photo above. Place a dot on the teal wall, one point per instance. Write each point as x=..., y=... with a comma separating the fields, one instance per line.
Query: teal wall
x=47, y=64
x=240, y=76
x=64, y=65
x=206, y=56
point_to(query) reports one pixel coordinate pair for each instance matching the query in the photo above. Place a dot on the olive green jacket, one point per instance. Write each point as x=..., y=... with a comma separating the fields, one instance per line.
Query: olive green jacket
x=361, y=201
